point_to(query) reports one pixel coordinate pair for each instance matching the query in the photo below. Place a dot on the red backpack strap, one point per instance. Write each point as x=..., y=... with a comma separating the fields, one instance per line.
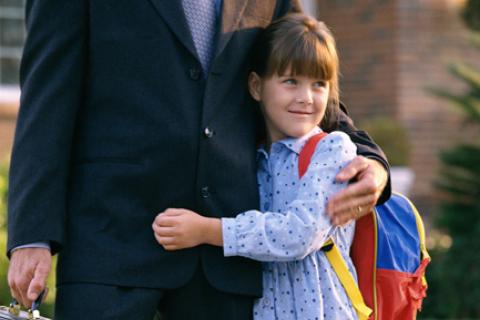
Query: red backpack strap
x=306, y=154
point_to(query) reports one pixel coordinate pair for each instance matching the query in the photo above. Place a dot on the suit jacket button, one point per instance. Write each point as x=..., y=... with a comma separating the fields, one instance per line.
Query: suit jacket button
x=205, y=192
x=195, y=73
x=208, y=132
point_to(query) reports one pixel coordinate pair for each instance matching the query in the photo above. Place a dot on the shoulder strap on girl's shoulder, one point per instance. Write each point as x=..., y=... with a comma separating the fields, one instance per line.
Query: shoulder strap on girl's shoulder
x=306, y=154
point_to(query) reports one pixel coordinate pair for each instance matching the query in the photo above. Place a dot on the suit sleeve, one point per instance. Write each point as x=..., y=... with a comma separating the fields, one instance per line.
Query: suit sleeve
x=52, y=78
x=365, y=146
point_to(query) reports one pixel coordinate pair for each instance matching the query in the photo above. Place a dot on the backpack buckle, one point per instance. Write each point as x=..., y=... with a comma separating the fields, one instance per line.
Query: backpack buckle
x=327, y=247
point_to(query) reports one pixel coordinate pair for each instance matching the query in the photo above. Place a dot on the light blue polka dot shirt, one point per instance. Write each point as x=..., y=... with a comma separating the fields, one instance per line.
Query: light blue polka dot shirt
x=290, y=229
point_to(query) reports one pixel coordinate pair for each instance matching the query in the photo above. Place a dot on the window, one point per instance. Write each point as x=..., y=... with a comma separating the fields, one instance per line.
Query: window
x=12, y=37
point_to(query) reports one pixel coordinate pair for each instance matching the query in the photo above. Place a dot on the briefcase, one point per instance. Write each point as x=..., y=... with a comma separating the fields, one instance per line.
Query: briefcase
x=14, y=312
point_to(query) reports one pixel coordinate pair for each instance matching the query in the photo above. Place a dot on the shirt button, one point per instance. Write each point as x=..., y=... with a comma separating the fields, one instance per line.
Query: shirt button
x=195, y=73
x=266, y=301
x=208, y=132
x=205, y=192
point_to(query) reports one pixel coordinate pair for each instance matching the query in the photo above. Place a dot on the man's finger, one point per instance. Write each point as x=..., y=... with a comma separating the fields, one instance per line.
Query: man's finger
x=15, y=291
x=344, y=199
x=354, y=213
x=358, y=164
x=19, y=280
x=21, y=296
x=37, y=285
x=347, y=202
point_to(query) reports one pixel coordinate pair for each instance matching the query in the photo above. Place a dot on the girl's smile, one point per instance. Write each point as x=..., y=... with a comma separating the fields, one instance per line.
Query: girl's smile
x=292, y=105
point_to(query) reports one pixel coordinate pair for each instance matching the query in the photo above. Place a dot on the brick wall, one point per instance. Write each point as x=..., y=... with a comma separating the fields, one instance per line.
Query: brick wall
x=391, y=51
x=364, y=32
x=431, y=36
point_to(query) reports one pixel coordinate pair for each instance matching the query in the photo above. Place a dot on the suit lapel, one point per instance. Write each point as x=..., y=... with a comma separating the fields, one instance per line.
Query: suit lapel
x=232, y=13
x=172, y=12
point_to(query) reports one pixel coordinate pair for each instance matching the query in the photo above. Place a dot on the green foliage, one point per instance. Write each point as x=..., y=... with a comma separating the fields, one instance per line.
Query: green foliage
x=455, y=274
x=4, y=293
x=47, y=308
x=3, y=194
x=468, y=103
x=391, y=136
x=471, y=14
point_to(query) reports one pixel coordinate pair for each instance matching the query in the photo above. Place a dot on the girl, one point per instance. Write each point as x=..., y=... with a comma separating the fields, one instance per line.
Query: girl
x=295, y=80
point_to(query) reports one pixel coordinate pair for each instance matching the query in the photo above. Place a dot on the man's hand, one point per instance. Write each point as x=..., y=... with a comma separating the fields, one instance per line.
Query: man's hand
x=359, y=197
x=27, y=273
x=178, y=229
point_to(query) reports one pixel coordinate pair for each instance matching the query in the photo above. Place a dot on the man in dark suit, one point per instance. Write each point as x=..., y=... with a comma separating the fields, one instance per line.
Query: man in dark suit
x=121, y=117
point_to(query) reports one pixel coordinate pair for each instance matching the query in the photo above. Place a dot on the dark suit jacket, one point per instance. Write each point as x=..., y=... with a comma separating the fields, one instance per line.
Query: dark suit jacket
x=112, y=129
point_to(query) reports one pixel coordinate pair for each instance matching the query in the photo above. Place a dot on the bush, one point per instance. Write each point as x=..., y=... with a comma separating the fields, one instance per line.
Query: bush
x=391, y=136
x=4, y=291
x=455, y=275
x=471, y=14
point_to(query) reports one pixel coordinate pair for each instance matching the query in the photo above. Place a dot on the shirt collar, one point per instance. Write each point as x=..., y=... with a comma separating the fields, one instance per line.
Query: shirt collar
x=262, y=153
x=296, y=144
x=293, y=144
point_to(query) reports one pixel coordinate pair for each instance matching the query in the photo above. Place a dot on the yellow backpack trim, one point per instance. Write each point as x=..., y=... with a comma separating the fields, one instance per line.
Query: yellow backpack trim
x=346, y=279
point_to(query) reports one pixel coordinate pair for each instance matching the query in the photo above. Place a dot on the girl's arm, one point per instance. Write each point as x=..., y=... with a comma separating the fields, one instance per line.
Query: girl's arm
x=304, y=227
x=269, y=236
x=178, y=229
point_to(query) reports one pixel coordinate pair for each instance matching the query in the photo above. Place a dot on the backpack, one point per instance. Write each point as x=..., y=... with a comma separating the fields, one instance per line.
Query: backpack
x=389, y=255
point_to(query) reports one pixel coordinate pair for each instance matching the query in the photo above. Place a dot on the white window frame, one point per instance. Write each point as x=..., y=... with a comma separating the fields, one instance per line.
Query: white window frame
x=10, y=94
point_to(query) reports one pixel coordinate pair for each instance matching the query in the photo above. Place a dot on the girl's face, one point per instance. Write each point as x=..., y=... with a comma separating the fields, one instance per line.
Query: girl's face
x=292, y=105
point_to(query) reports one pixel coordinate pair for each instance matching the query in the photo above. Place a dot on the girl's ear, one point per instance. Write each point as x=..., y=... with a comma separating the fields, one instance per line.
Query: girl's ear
x=254, y=85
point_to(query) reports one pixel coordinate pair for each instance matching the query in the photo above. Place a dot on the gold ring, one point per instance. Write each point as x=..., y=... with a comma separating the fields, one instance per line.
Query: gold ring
x=356, y=213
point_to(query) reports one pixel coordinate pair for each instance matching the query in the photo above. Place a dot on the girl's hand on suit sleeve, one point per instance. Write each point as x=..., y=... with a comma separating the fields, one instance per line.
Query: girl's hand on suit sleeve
x=177, y=229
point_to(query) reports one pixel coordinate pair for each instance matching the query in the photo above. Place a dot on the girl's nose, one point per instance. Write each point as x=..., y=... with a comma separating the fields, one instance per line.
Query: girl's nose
x=304, y=97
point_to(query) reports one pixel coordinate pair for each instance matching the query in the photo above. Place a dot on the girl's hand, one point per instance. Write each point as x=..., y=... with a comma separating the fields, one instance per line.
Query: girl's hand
x=177, y=229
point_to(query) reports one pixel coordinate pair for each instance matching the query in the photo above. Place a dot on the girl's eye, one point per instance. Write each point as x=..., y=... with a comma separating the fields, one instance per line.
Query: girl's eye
x=290, y=81
x=320, y=84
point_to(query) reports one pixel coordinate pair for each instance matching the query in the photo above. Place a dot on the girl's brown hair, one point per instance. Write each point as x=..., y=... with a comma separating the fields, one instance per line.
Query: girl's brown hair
x=306, y=47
